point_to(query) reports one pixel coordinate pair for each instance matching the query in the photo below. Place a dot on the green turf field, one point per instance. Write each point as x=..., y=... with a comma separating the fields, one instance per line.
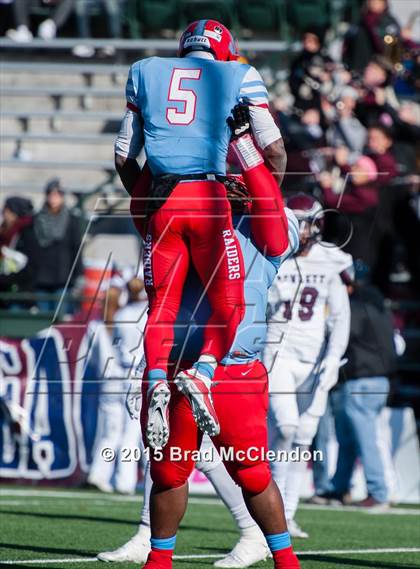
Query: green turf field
x=55, y=526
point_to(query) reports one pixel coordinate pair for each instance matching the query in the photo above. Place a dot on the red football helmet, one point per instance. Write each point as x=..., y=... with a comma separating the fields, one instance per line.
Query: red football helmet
x=310, y=216
x=210, y=36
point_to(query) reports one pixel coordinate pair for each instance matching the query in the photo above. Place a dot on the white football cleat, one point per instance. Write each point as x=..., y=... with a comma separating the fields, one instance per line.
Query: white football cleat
x=135, y=550
x=196, y=387
x=295, y=530
x=248, y=550
x=157, y=430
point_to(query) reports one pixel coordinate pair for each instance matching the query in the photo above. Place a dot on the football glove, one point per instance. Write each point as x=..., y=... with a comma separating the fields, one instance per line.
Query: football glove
x=239, y=123
x=329, y=373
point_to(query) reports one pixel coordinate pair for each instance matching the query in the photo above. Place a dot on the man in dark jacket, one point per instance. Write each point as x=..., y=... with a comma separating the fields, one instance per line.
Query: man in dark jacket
x=310, y=70
x=367, y=39
x=58, y=235
x=362, y=394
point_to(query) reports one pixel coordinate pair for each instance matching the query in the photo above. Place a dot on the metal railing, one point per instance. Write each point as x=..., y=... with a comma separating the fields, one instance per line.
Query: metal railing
x=163, y=45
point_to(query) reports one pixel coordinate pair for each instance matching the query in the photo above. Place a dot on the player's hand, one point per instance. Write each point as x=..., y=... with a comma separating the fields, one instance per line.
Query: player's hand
x=133, y=398
x=329, y=373
x=239, y=123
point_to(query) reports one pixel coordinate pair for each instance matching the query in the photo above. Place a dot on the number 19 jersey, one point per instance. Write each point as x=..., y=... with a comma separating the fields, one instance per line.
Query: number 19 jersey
x=184, y=104
x=299, y=299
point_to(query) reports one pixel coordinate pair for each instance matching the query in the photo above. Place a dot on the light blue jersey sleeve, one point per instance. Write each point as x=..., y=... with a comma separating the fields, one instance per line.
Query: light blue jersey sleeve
x=293, y=246
x=132, y=88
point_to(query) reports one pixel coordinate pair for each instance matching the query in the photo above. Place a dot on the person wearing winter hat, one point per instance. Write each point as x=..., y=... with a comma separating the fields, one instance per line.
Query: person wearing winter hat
x=58, y=234
x=18, y=251
x=17, y=214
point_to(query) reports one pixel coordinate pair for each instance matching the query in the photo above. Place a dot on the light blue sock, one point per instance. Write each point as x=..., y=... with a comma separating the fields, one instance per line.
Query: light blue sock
x=278, y=541
x=205, y=369
x=167, y=544
x=154, y=376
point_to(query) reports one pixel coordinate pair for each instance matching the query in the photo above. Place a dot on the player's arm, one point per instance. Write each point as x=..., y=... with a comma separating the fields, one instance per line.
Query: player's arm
x=269, y=221
x=130, y=139
x=339, y=332
x=139, y=195
x=276, y=159
x=338, y=318
x=268, y=218
x=266, y=133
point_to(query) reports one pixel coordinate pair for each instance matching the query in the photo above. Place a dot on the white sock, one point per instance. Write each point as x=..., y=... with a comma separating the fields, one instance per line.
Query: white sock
x=294, y=479
x=145, y=511
x=280, y=468
x=253, y=532
x=231, y=495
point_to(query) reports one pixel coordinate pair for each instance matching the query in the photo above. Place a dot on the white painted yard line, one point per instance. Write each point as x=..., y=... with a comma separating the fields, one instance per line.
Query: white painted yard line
x=39, y=561
x=218, y=556
x=361, y=551
x=20, y=503
x=94, y=496
x=71, y=494
x=68, y=495
x=391, y=511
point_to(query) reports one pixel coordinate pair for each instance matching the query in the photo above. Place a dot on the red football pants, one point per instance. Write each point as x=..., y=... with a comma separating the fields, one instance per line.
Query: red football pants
x=240, y=395
x=194, y=223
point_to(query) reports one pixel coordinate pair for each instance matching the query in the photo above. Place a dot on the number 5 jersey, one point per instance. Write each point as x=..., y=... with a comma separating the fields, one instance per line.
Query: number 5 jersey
x=183, y=104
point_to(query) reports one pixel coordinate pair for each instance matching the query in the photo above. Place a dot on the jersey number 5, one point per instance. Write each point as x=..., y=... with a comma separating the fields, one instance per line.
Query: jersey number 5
x=186, y=96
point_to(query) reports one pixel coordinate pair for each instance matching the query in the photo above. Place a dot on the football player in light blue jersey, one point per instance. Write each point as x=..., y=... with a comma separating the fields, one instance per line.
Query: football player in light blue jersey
x=267, y=235
x=177, y=110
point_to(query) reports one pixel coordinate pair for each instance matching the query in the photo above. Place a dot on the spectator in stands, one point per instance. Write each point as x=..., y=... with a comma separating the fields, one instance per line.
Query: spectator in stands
x=355, y=194
x=304, y=138
x=377, y=30
x=379, y=149
x=83, y=13
x=310, y=74
x=6, y=16
x=345, y=128
x=357, y=189
x=58, y=235
x=17, y=214
x=18, y=252
x=376, y=93
x=362, y=394
x=47, y=29
x=405, y=125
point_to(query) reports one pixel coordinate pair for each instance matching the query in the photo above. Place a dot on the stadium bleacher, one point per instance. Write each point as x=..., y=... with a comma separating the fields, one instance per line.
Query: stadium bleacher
x=36, y=108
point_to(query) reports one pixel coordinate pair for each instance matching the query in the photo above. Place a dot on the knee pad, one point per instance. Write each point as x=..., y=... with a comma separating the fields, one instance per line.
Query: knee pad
x=251, y=479
x=168, y=475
